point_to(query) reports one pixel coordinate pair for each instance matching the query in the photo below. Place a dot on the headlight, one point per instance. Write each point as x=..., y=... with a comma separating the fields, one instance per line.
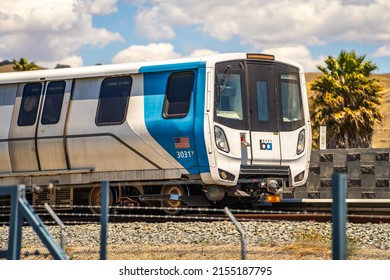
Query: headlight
x=301, y=142
x=220, y=139
x=299, y=177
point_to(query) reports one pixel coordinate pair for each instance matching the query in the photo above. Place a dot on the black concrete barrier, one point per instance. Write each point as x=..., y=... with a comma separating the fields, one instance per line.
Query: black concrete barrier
x=368, y=173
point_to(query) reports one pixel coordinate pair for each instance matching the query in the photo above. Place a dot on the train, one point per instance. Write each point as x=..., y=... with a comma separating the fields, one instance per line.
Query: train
x=230, y=128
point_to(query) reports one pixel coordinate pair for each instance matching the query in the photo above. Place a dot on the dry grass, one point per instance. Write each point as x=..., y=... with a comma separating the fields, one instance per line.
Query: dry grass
x=7, y=68
x=296, y=251
x=306, y=245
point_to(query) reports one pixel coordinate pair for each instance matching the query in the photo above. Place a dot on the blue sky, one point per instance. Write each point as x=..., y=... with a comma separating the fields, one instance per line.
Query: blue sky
x=87, y=32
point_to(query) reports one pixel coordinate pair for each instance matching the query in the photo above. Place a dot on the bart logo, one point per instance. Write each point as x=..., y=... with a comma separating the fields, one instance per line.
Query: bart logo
x=265, y=145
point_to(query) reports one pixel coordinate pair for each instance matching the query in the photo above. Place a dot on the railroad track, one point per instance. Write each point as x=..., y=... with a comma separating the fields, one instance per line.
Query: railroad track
x=318, y=212
x=72, y=218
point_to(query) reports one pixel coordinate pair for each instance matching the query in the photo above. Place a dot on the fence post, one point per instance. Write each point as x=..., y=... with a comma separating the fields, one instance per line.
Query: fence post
x=240, y=229
x=59, y=222
x=21, y=209
x=15, y=222
x=339, y=216
x=104, y=219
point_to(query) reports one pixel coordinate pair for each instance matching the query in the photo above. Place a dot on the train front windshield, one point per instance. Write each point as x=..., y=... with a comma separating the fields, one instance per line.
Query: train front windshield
x=261, y=101
x=266, y=94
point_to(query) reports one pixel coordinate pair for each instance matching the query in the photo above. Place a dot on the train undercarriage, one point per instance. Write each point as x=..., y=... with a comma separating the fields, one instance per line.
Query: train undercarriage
x=82, y=190
x=168, y=196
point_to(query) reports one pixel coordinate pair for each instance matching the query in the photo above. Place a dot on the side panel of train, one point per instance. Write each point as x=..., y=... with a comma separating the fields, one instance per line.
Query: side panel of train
x=130, y=129
x=104, y=124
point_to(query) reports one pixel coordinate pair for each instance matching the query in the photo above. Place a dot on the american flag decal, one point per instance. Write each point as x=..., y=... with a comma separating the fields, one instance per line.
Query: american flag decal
x=182, y=142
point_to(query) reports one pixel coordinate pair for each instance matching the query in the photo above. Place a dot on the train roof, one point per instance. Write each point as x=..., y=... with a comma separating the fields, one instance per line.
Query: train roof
x=119, y=69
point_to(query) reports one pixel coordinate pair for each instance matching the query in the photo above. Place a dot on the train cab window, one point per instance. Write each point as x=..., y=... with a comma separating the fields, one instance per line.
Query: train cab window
x=229, y=104
x=178, y=96
x=53, y=102
x=113, y=100
x=292, y=112
x=29, y=105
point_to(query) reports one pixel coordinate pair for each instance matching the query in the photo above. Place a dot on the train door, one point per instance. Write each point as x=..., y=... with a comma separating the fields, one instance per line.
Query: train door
x=37, y=132
x=50, y=131
x=263, y=114
x=22, y=143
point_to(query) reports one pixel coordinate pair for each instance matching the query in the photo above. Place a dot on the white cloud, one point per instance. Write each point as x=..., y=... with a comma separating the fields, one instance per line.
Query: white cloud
x=298, y=53
x=269, y=23
x=357, y=2
x=162, y=51
x=154, y=51
x=152, y=22
x=149, y=25
x=138, y=53
x=298, y=25
x=72, y=61
x=52, y=30
x=100, y=7
x=202, y=52
x=382, y=51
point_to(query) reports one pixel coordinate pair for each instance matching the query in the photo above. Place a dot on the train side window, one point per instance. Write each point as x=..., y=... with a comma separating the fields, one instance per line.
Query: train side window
x=178, y=96
x=113, y=100
x=29, y=106
x=53, y=102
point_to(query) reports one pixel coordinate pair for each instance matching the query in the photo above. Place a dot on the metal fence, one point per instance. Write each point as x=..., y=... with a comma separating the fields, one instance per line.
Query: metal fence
x=367, y=176
x=194, y=236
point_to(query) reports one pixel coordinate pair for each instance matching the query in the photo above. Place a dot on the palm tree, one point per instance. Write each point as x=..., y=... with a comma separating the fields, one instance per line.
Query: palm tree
x=23, y=65
x=346, y=100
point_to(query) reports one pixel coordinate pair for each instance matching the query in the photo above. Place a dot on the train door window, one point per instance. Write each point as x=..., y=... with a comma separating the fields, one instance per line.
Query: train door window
x=178, y=96
x=29, y=105
x=53, y=102
x=113, y=100
x=262, y=101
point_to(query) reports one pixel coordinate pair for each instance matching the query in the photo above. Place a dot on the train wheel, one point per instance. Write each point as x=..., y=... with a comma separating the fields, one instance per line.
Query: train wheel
x=94, y=199
x=170, y=205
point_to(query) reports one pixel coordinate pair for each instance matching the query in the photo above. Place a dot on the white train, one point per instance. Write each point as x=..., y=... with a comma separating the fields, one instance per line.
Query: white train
x=227, y=127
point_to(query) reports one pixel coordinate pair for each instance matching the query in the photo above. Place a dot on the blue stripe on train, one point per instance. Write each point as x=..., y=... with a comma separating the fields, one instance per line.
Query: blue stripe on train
x=172, y=134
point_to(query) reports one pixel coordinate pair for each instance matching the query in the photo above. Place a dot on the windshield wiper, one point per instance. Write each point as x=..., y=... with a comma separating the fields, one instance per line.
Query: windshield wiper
x=224, y=80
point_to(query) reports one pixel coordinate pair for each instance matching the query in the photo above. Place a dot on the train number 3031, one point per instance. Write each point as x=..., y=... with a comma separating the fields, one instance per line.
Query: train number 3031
x=184, y=154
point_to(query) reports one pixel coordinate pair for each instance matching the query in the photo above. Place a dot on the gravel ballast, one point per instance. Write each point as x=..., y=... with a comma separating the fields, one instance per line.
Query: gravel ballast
x=376, y=236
